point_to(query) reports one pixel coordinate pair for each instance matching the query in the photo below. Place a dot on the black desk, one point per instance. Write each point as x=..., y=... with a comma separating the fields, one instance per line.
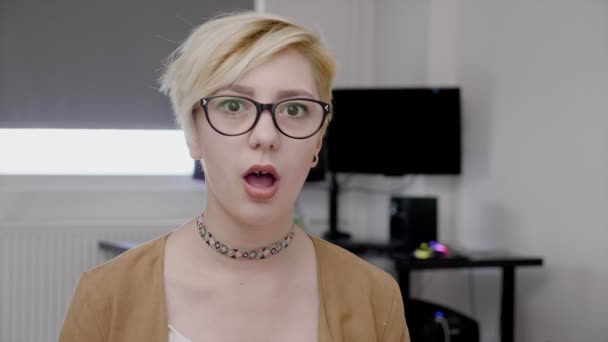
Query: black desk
x=506, y=262
x=405, y=264
x=117, y=247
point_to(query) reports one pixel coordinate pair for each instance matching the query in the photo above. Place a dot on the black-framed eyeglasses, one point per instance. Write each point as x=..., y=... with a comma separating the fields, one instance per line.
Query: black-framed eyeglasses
x=297, y=118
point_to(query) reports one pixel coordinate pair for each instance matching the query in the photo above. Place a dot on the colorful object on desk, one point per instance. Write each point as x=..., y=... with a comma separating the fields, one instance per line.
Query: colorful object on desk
x=431, y=250
x=440, y=248
x=423, y=252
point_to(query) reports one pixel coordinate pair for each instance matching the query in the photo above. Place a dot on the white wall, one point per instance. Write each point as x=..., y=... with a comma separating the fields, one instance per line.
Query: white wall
x=400, y=34
x=534, y=80
x=535, y=179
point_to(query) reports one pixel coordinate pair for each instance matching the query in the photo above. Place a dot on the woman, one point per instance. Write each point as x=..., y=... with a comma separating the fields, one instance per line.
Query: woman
x=252, y=93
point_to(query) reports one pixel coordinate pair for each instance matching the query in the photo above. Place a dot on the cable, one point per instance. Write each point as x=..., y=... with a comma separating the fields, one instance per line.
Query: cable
x=444, y=325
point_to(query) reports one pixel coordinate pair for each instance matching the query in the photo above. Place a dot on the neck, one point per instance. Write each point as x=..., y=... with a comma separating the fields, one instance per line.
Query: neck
x=243, y=233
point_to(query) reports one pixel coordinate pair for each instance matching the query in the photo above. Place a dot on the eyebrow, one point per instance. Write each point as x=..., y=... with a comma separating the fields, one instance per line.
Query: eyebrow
x=238, y=89
x=280, y=95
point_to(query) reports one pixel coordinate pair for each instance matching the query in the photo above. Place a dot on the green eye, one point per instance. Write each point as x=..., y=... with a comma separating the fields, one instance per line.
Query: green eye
x=231, y=105
x=295, y=109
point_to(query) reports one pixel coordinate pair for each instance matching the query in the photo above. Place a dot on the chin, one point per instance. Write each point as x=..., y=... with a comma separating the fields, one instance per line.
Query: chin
x=263, y=213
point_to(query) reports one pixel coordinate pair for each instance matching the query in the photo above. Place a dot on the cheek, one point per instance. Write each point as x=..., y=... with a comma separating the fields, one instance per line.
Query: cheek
x=215, y=153
x=300, y=162
x=215, y=148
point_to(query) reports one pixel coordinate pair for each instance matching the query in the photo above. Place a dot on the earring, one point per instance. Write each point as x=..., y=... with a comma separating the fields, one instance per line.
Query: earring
x=314, y=158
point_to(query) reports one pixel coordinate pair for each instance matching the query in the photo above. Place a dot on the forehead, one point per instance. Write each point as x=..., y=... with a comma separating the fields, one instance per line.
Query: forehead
x=288, y=72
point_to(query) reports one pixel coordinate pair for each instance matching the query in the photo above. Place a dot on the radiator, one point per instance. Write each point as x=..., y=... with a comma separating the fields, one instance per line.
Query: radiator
x=39, y=269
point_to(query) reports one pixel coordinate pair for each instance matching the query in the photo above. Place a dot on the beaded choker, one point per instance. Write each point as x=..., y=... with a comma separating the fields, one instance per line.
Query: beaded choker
x=252, y=254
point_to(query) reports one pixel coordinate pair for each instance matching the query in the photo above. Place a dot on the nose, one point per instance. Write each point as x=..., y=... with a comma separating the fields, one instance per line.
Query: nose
x=265, y=134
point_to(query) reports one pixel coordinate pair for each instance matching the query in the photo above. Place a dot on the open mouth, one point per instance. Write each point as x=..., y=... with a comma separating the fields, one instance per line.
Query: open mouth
x=260, y=179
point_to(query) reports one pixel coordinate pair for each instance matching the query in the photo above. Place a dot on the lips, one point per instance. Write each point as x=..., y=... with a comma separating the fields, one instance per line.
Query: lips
x=261, y=181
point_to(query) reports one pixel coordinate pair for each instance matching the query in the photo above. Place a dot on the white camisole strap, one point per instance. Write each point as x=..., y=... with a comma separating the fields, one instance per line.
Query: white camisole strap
x=175, y=336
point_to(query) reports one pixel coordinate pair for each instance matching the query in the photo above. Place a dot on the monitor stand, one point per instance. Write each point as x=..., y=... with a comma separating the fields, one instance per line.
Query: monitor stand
x=334, y=234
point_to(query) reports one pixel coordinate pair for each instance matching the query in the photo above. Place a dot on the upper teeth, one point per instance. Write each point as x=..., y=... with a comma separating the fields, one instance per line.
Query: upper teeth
x=259, y=173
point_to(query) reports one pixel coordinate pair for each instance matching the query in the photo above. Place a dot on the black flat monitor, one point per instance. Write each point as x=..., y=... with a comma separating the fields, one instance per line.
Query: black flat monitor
x=395, y=131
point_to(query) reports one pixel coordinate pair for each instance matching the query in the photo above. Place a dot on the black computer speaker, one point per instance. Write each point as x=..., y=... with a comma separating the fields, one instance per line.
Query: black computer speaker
x=413, y=220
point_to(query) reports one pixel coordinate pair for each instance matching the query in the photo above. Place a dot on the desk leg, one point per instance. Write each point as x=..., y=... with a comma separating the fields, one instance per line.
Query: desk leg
x=404, y=284
x=507, y=305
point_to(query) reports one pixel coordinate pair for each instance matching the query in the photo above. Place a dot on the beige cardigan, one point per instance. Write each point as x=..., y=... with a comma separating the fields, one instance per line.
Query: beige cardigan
x=123, y=299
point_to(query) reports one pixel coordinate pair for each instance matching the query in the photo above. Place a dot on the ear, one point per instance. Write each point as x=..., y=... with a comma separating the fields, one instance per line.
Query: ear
x=192, y=139
x=194, y=148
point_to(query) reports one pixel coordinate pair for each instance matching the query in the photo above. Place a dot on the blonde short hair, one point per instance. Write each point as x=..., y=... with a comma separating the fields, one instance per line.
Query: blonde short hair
x=222, y=49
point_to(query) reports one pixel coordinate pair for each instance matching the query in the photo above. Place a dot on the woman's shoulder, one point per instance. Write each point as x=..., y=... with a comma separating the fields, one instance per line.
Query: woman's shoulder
x=121, y=296
x=136, y=264
x=352, y=287
x=342, y=264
